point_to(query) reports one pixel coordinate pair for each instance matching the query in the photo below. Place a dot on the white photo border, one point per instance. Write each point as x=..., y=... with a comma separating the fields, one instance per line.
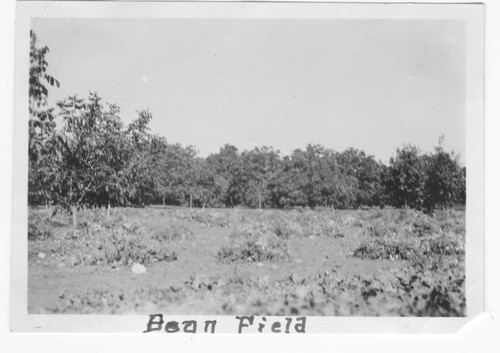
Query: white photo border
x=472, y=14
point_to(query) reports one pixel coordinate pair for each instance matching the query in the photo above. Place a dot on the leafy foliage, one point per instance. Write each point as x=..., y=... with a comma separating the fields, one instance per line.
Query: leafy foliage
x=122, y=250
x=407, y=178
x=173, y=232
x=255, y=243
x=412, y=235
x=39, y=231
x=446, y=180
x=91, y=159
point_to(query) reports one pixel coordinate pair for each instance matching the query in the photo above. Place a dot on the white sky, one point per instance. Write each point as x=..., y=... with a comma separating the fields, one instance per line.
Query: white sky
x=369, y=84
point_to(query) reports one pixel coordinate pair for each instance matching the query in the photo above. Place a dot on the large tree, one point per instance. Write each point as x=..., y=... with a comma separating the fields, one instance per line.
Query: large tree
x=260, y=169
x=368, y=173
x=306, y=171
x=228, y=165
x=42, y=145
x=407, y=178
x=339, y=189
x=140, y=172
x=285, y=190
x=313, y=177
x=445, y=181
x=94, y=154
x=208, y=186
x=178, y=165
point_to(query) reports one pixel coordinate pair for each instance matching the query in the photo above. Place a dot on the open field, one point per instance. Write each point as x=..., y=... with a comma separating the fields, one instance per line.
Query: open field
x=238, y=261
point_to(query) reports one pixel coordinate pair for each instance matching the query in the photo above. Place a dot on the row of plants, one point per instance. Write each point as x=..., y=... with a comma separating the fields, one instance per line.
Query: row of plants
x=403, y=292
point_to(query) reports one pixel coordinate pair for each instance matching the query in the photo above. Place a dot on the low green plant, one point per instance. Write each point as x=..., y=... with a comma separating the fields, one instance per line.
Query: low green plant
x=173, y=232
x=424, y=225
x=386, y=249
x=119, y=249
x=37, y=231
x=283, y=228
x=257, y=247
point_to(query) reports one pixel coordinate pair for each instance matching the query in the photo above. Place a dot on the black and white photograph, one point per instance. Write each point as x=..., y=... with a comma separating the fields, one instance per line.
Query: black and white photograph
x=269, y=163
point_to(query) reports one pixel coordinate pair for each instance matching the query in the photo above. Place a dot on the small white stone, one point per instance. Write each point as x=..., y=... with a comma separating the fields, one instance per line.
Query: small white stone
x=41, y=255
x=260, y=264
x=301, y=292
x=196, y=283
x=312, y=237
x=138, y=268
x=71, y=261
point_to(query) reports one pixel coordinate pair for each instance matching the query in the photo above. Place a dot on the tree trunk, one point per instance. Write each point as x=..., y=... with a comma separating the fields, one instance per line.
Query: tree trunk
x=203, y=205
x=47, y=207
x=109, y=209
x=190, y=200
x=163, y=200
x=260, y=202
x=73, y=214
x=333, y=210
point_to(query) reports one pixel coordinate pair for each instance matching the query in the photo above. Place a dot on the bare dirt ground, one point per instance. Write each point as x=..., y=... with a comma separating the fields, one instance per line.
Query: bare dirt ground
x=270, y=262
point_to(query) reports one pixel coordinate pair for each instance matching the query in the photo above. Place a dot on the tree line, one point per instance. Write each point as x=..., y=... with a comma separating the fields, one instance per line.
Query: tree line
x=91, y=158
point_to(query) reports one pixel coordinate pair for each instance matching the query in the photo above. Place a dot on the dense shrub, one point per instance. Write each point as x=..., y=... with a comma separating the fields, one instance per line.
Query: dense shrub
x=317, y=224
x=37, y=231
x=423, y=225
x=422, y=238
x=443, y=245
x=256, y=250
x=173, y=232
x=255, y=243
x=126, y=250
x=283, y=229
x=381, y=228
x=386, y=249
